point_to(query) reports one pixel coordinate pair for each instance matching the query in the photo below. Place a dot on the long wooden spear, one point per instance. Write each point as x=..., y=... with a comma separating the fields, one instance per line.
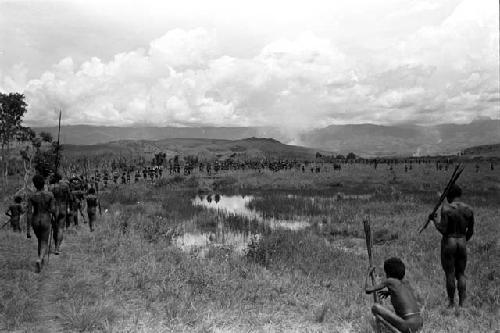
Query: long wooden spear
x=456, y=173
x=55, y=171
x=369, y=245
x=57, y=147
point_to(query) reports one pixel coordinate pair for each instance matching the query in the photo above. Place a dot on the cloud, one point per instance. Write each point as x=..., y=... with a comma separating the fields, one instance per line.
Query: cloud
x=441, y=73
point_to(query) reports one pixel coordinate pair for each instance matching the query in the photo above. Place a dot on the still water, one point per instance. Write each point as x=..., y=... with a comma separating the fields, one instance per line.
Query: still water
x=200, y=242
x=238, y=204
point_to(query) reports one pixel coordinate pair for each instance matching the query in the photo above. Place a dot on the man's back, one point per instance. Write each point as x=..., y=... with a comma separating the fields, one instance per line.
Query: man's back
x=42, y=202
x=402, y=297
x=15, y=210
x=457, y=220
x=61, y=193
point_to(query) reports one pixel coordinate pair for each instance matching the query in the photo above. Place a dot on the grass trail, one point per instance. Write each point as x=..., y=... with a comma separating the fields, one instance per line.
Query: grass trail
x=37, y=306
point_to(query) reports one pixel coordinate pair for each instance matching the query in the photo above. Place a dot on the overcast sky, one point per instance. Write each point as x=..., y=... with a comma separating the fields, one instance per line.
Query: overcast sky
x=295, y=64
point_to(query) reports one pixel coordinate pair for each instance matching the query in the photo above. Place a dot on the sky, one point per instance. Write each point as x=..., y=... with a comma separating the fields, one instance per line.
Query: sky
x=290, y=64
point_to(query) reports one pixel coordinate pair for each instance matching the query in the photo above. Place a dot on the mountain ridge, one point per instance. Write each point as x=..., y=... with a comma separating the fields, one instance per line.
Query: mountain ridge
x=363, y=139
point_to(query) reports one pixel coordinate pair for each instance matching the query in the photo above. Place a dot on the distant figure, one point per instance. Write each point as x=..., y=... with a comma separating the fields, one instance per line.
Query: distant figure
x=14, y=212
x=41, y=208
x=92, y=204
x=407, y=317
x=457, y=228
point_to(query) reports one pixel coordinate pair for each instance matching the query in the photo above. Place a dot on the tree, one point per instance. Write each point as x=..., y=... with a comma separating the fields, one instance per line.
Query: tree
x=12, y=110
x=351, y=156
x=46, y=136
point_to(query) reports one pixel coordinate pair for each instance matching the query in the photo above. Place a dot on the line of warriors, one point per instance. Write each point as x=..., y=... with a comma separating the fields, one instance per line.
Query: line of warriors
x=52, y=209
x=133, y=174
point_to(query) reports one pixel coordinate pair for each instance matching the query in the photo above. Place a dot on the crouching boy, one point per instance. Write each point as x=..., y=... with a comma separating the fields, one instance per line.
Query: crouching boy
x=407, y=318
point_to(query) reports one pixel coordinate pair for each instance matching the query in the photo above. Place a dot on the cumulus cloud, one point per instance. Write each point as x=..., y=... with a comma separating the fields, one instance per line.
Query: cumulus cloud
x=442, y=73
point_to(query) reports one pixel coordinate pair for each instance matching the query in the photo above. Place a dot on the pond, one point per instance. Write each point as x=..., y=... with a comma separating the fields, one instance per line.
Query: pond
x=231, y=235
x=238, y=205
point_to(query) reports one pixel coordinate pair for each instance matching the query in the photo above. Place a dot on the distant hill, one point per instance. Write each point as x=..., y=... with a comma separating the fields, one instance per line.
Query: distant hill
x=373, y=140
x=209, y=148
x=91, y=135
x=483, y=151
x=363, y=139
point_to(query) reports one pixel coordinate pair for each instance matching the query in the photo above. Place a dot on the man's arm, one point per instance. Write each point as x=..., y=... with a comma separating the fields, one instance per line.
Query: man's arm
x=8, y=213
x=29, y=217
x=52, y=205
x=470, y=228
x=372, y=289
x=441, y=226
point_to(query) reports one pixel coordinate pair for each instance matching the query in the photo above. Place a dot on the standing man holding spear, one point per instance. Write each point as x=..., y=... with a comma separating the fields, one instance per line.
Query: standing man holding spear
x=457, y=227
x=61, y=193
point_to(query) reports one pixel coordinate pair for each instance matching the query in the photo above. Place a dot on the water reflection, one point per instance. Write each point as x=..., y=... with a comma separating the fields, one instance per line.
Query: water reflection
x=239, y=205
x=239, y=232
x=229, y=204
x=236, y=241
x=234, y=232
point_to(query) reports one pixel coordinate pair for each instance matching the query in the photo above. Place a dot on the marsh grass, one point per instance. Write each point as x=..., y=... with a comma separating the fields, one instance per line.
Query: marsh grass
x=18, y=285
x=84, y=317
x=129, y=276
x=17, y=305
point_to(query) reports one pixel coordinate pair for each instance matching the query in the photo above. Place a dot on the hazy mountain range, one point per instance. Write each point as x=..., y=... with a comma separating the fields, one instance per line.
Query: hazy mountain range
x=363, y=139
x=203, y=148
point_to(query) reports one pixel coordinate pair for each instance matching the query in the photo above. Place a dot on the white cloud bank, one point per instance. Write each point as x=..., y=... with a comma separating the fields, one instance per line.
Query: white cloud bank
x=444, y=73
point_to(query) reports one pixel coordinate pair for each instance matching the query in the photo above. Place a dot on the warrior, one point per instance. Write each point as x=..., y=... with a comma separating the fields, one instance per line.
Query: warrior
x=14, y=212
x=41, y=208
x=61, y=193
x=75, y=206
x=407, y=316
x=456, y=227
x=92, y=204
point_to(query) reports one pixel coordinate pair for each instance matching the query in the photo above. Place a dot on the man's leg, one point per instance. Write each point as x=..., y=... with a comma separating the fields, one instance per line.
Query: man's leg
x=390, y=317
x=448, y=249
x=68, y=220
x=91, y=221
x=460, y=264
x=59, y=231
x=15, y=225
x=18, y=225
x=42, y=233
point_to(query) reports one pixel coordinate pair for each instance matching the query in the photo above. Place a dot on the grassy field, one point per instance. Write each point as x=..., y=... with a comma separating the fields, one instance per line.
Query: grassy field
x=129, y=276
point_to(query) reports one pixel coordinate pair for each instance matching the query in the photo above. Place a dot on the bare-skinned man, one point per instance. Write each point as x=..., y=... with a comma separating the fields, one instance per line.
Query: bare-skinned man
x=40, y=209
x=14, y=212
x=92, y=204
x=61, y=193
x=457, y=227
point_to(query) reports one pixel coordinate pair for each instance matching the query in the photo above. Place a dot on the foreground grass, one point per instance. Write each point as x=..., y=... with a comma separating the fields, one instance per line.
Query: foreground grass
x=129, y=277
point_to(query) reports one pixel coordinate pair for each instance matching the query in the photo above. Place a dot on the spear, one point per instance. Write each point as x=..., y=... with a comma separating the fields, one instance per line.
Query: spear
x=57, y=147
x=369, y=246
x=456, y=173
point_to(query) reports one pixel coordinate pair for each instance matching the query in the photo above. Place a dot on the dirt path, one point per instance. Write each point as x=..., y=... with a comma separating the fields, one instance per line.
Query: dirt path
x=20, y=253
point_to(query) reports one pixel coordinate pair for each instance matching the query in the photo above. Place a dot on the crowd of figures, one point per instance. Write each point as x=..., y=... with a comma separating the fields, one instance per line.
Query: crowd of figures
x=133, y=171
x=52, y=208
